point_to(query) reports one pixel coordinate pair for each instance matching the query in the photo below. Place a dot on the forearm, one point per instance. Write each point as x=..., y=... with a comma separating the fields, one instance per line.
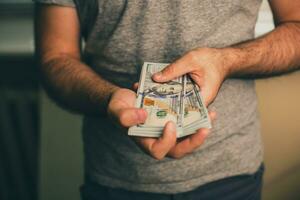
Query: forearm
x=275, y=53
x=75, y=86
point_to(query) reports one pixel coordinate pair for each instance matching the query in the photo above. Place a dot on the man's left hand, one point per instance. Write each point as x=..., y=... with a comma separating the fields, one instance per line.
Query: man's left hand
x=206, y=66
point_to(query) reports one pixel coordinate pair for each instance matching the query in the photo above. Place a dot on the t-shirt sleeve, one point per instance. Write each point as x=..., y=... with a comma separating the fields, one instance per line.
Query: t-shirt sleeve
x=69, y=3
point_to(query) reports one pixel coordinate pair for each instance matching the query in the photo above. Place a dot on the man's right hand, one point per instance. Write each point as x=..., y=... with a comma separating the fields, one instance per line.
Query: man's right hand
x=122, y=110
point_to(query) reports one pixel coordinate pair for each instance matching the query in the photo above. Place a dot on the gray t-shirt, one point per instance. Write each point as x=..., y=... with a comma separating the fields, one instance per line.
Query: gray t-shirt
x=128, y=32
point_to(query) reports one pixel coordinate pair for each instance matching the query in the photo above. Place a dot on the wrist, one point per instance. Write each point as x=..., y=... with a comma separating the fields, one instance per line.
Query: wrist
x=240, y=59
x=232, y=59
x=111, y=93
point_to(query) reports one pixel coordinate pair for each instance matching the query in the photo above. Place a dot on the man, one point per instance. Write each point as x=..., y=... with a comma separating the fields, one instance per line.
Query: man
x=212, y=41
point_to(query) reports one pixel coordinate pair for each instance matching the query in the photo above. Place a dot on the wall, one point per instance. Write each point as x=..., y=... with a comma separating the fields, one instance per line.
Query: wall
x=61, y=153
x=279, y=108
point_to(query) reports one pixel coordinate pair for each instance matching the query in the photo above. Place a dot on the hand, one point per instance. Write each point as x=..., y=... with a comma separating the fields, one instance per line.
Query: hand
x=121, y=109
x=192, y=142
x=187, y=144
x=206, y=66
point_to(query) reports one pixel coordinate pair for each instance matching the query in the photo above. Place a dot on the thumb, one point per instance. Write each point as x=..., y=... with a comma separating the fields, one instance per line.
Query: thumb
x=131, y=116
x=172, y=71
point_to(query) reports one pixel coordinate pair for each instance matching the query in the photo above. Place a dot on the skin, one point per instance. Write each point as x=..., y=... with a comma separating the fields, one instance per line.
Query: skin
x=77, y=87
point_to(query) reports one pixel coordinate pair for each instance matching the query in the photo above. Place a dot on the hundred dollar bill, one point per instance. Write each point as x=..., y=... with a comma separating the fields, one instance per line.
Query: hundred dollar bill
x=162, y=101
x=179, y=101
x=195, y=114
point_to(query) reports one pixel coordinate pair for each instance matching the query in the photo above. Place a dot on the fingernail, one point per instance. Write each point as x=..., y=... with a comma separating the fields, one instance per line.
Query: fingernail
x=205, y=133
x=171, y=126
x=142, y=114
x=158, y=75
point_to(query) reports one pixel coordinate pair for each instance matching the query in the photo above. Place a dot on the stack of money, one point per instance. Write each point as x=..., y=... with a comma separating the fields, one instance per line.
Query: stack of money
x=178, y=100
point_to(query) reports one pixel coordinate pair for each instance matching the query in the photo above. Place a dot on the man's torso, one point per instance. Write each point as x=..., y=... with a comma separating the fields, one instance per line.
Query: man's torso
x=127, y=33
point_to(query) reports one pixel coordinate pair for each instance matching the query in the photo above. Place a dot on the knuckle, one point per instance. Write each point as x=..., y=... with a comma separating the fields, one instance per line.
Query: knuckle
x=123, y=118
x=176, y=155
x=197, y=144
x=157, y=155
x=169, y=70
x=173, y=139
x=193, y=55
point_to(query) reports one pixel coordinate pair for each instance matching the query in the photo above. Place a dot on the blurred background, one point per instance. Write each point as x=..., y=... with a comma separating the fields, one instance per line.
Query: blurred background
x=41, y=154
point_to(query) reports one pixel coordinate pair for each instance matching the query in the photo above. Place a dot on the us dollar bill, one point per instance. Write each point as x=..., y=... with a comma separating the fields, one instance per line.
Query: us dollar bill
x=162, y=101
x=195, y=115
x=178, y=100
